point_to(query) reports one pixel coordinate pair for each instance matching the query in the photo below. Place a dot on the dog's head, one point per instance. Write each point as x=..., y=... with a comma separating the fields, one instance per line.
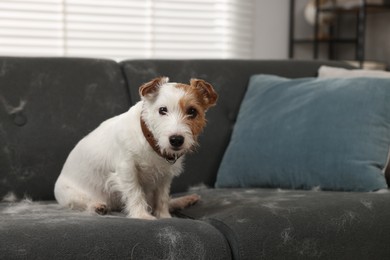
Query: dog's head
x=175, y=112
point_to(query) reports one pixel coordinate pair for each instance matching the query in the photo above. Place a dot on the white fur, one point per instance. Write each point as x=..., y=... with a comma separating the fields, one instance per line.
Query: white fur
x=115, y=167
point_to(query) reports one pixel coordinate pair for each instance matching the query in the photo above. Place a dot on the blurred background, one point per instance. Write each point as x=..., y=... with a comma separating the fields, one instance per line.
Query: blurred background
x=202, y=29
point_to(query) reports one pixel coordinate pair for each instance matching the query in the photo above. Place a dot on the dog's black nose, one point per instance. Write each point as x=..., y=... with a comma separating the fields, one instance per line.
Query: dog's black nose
x=176, y=140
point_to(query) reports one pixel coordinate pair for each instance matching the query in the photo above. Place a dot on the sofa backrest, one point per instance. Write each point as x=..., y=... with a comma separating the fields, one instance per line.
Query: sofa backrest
x=46, y=106
x=230, y=79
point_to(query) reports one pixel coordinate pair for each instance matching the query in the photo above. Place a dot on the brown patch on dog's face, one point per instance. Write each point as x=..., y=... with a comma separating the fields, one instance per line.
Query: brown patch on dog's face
x=199, y=96
x=194, y=114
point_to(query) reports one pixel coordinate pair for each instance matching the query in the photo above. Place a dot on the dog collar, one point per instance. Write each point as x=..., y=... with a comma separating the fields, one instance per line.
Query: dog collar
x=153, y=143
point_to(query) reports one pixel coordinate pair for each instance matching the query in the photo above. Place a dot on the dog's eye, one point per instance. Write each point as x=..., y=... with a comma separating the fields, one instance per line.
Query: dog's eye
x=192, y=112
x=163, y=111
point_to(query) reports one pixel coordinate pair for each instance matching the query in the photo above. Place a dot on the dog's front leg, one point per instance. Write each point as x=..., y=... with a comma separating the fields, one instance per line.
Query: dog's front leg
x=161, y=200
x=133, y=196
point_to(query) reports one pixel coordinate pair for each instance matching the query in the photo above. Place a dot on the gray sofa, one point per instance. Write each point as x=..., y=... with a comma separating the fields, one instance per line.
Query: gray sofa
x=48, y=104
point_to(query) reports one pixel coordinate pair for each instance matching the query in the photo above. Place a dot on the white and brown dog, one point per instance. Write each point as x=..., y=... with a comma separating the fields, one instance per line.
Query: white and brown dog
x=128, y=162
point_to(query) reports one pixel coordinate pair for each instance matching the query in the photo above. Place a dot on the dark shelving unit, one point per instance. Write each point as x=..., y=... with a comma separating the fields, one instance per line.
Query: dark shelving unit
x=361, y=11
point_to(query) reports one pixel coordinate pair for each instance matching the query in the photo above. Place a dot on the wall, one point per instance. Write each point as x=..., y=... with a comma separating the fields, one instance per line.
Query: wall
x=377, y=43
x=271, y=31
x=378, y=38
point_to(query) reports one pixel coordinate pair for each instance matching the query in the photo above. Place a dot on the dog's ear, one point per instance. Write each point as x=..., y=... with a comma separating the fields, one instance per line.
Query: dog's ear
x=150, y=89
x=206, y=90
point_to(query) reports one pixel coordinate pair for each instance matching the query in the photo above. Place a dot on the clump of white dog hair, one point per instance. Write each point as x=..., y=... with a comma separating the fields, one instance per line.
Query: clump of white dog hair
x=10, y=197
x=316, y=188
x=382, y=191
x=16, y=205
x=198, y=187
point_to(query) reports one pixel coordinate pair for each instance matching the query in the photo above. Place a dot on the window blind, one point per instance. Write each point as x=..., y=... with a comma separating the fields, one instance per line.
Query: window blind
x=31, y=27
x=122, y=29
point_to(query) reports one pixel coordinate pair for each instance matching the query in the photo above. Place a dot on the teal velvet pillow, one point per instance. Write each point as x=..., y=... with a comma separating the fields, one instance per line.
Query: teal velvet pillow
x=304, y=133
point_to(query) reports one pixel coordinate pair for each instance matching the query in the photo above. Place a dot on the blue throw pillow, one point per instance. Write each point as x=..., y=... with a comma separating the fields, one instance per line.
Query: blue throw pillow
x=304, y=133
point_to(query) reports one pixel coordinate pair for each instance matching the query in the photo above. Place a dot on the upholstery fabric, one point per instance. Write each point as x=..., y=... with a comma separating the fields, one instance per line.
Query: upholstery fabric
x=304, y=133
x=292, y=224
x=46, y=106
x=43, y=230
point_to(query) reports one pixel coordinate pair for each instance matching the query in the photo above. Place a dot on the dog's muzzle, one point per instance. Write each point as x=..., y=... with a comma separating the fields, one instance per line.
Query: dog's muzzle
x=175, y=140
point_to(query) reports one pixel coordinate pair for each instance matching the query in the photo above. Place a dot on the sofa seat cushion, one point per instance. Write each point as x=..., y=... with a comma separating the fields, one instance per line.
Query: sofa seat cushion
x=45, y=231
x=291, y=224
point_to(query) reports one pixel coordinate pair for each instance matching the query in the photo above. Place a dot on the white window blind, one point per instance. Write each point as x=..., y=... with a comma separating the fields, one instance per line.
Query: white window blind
x=122, y=29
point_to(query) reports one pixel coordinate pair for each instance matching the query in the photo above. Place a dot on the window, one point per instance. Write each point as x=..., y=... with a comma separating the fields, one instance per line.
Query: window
x=122, y=29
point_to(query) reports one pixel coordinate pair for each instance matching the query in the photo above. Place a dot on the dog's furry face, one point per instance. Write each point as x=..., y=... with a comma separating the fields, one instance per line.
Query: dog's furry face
x=175, y=112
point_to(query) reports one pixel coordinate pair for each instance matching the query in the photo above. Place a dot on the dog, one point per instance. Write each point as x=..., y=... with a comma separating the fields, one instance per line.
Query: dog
x=128, y=162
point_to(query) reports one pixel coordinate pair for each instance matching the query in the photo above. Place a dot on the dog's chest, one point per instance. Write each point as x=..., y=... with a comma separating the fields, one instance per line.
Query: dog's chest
x=152, y=174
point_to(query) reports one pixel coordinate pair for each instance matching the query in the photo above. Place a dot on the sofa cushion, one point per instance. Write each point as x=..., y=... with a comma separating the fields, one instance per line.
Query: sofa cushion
x=292, y=224
x=328, y=133
x=46, y=106
x=46, y=231
x=333, y=72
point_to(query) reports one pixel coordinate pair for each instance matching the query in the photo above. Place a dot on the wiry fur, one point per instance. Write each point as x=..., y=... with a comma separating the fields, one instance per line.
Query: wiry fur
x=115, y=168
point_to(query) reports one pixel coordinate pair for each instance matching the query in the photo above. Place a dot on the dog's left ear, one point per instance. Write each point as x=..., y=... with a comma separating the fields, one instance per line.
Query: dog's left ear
x=151, y=88
x=206, y=90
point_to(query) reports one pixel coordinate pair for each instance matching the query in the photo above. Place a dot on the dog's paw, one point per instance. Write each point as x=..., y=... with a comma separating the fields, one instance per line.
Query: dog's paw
x=163, y=215
x=148, y=217
x=101, y=209
x=143, y=216
x=183, y=202
x=191, y=200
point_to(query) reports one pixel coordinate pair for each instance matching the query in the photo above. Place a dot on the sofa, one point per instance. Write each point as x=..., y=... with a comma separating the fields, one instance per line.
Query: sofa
x=48, y=104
